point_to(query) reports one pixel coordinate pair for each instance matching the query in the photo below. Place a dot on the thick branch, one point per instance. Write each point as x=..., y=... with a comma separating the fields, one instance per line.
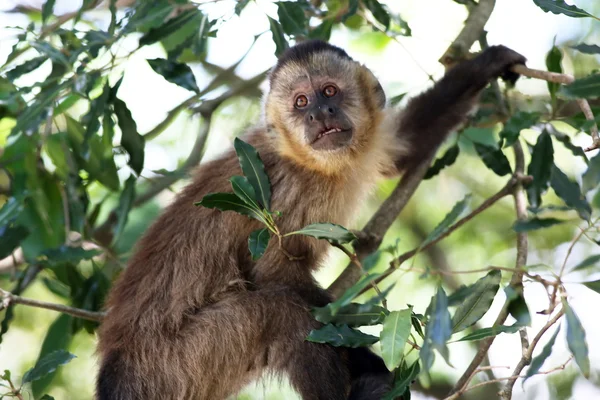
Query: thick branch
x=478, y=17
x=9, y=298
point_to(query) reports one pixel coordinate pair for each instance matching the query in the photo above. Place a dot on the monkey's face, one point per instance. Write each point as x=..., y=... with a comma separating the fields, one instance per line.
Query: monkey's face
x=320, y=104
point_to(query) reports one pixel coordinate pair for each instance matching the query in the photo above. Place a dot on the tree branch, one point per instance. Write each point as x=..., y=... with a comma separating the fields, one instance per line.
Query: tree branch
x=8, y=298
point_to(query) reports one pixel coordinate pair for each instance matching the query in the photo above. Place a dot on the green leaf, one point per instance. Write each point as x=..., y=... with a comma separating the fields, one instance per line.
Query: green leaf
x=378, y=12
x=46, y=397
x=397, y=99
x=171, y=27
x=587, y=48
x=478, y=302
x=448, y=220
x=230, y=202
x=10, y=238
x=323, y=31
x=10, y=210
x=177, y=73
x=66, y=254
x=331, y=232
x=353, y=314
x=538, y=361
x=460, y=295
x=535, y=224
x=291, y=17
x=281, y=44
x=25, y=68
x=341, y=336
x=47, y=364
x=517, y=306
x=53, y=53
x=591, y=177
x=131, y=140
x=493, y=331
x=594, y=285
x=560, y=7
x=588, y=87
x=576, y=339
x=540, y=168
x=349, y=295
x=517, y=122
x=591, y=261
x=393, y=337
x=244, y=190
x=58, y=337
x=438, y=329
x=570, y=193
x=554, y=64
x=444, y=161
x=566, y=141
x=47, y=9
x=125, y=204
x=493, y=158
x=254, y=170
x=241, y=4
x=257, y=243
x=403, y=381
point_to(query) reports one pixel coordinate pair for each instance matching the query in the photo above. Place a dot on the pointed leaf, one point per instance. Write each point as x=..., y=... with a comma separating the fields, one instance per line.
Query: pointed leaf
x=281, y=44
x=487, y=332
x=538, y=361
x=560, y=7
x=254, y=170
x=448, y=220
x=517, y=306
x=125, y=203
x=444, y=161
x=67, y=254
x=257, y=243
x=576, y=340
x=241, y=4
x=25, y=68
x=393, y=337
x=570, y=192
x=291, y=17
x=174, y=72
x=332, y=232
x=353, y=314
x=493, y=158
x=349, y=295
x=171, y=27
x=230, y=202
x=474, y=307
x=131, y=140
x=403, y=381
x=47, y=9
x=460, y=295
x=378, y=12
x=10, y=238
x=588, y=87
x=244, y=190
x=591, y=261
x=554, y=64
x=594, y=285
x=591, y=177
x=47, y=364
x=540, y=168
x=535, y=223
x=341, y=336
x=587, y=48
x=439, y=328
x=517, y=122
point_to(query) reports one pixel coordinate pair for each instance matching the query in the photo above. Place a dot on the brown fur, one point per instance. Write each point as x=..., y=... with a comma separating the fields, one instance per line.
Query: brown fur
x=193, y=317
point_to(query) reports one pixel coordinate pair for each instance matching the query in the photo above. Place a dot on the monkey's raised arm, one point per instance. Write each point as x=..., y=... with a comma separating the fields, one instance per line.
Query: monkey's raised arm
x=431, y=116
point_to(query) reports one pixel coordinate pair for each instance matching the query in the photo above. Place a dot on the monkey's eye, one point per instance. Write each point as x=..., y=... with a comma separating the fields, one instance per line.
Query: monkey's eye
x=330, y=91
x=301, y=101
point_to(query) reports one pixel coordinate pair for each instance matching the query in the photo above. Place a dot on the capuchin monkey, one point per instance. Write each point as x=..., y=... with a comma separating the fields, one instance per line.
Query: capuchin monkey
x=193, y=317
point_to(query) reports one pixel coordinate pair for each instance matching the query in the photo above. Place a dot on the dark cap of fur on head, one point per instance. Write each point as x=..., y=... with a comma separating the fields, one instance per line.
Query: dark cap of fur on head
x=301, y=52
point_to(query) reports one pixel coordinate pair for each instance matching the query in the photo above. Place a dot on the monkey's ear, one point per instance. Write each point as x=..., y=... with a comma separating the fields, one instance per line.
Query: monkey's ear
x=380, y=96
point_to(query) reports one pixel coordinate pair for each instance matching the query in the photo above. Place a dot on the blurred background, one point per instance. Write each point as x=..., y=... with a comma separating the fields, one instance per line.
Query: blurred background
x=404, y=65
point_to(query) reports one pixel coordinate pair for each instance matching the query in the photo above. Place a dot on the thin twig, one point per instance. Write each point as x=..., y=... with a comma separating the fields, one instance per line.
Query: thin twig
x=8, y=298
x=564, y=79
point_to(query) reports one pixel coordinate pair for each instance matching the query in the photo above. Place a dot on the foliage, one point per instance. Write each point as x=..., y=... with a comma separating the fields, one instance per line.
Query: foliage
x=72, y=176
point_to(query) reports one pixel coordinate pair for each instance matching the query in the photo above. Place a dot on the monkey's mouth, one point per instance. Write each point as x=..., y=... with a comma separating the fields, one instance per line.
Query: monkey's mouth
x=331, y=138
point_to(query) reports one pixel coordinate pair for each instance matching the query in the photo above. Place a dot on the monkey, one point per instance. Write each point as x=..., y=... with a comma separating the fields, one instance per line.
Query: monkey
x=194, y=317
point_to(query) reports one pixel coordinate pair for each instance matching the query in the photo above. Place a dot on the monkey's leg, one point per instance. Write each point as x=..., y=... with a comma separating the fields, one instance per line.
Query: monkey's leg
x=429, y=117
x=370, y=377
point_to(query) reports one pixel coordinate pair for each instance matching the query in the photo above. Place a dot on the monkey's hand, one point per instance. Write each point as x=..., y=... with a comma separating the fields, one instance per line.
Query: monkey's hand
x=497, y=61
